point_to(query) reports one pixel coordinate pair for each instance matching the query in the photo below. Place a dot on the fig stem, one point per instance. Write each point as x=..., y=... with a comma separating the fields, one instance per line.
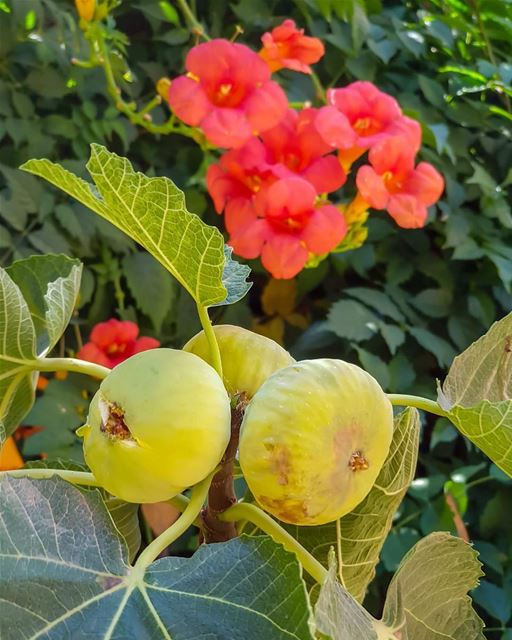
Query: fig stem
x=187, y=518
x=252, y=513
x=71, y=364
x=222, y=491
x=75, y=477
x=418, y=402
x=211, y=337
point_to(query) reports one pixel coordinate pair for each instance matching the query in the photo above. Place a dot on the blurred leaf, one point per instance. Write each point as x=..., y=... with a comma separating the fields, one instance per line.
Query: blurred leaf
x=378, y=301
x=351, y=320
x=433, y=302
x=494, y=600
x=439, y=347
x=151, y=285
x=397, y=544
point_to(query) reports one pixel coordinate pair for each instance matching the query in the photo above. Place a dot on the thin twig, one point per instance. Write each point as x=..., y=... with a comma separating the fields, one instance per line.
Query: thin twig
x=460, y=527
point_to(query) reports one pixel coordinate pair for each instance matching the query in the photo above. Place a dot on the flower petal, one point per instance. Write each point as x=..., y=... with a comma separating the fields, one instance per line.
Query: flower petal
x=188, y=100
x=372, y=187
x=335, y=128
x=290, y=196
x=248, y=241
x=265, y=106
x=145, y=343
x=284, y=256
x=113, y=331
x=239, y=213
x=226, y=127
x=92, y=353
x=325, y=174
x=426, y=183
x=407, y=211
x=222, y=187
x=325, y=230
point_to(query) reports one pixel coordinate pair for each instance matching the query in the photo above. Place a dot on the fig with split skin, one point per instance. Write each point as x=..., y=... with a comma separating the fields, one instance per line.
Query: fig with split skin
x=160, y=422
x=313, y=440
x=248, y=358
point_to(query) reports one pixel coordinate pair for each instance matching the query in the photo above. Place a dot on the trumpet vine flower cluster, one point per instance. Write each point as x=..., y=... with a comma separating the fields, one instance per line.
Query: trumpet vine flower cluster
x=282, y=165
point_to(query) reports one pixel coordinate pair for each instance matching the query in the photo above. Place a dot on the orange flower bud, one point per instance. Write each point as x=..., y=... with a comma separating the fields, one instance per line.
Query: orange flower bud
x=86, y=9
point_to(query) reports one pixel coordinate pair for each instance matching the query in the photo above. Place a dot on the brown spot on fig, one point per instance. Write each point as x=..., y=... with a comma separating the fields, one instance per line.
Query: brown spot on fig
x=358, y=462
x=280, y=464
x=508, y=344
x=113, y=423
x=287, y=509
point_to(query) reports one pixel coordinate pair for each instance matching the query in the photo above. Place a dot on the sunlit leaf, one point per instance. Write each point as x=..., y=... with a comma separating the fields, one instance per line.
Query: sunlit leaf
x=152, y=212
x=427, y=598
x=37, y=296
x=477, y=393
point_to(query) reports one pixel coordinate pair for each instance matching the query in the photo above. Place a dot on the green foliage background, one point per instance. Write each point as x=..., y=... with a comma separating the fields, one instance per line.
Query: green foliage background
x=402, y=305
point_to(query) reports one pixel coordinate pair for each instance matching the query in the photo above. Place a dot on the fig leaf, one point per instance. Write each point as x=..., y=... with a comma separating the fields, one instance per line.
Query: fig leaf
x=53, y=535
x=37, y=297
x=440, y=565
x=427, y=597
x=477, y=393
x=152, y=212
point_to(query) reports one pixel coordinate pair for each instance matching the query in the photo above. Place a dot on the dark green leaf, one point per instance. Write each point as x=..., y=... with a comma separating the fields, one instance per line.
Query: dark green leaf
x=75, y=543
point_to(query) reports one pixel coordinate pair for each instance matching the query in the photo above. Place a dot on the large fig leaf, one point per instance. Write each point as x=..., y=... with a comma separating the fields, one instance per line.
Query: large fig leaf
x=426, y=600
x=125, y=515
x=360, y=535
x=37, y=296
x=64, y=573
x=477, y=393
x=152, y=212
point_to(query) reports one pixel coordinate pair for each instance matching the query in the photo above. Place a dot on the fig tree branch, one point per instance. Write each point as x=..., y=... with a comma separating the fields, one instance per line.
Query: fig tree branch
x=222, y=492
x=252, y=513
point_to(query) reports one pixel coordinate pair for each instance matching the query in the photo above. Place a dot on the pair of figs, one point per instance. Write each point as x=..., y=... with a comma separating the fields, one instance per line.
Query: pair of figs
x=313, y=439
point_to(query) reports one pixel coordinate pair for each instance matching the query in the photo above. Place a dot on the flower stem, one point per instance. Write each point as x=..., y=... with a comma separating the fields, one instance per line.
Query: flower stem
x=416, y=401
x=187, y=518
x=320, y=91
x=136, y=117
x=211, y=337
x=197, y=27
x=72, y=364
x=75, y=477
x=252, y=513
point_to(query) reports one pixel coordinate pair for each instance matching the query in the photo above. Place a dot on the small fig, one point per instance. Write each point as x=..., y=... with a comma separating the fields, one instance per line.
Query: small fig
x=159, y=422
x=248, y=358
x=313, y=440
